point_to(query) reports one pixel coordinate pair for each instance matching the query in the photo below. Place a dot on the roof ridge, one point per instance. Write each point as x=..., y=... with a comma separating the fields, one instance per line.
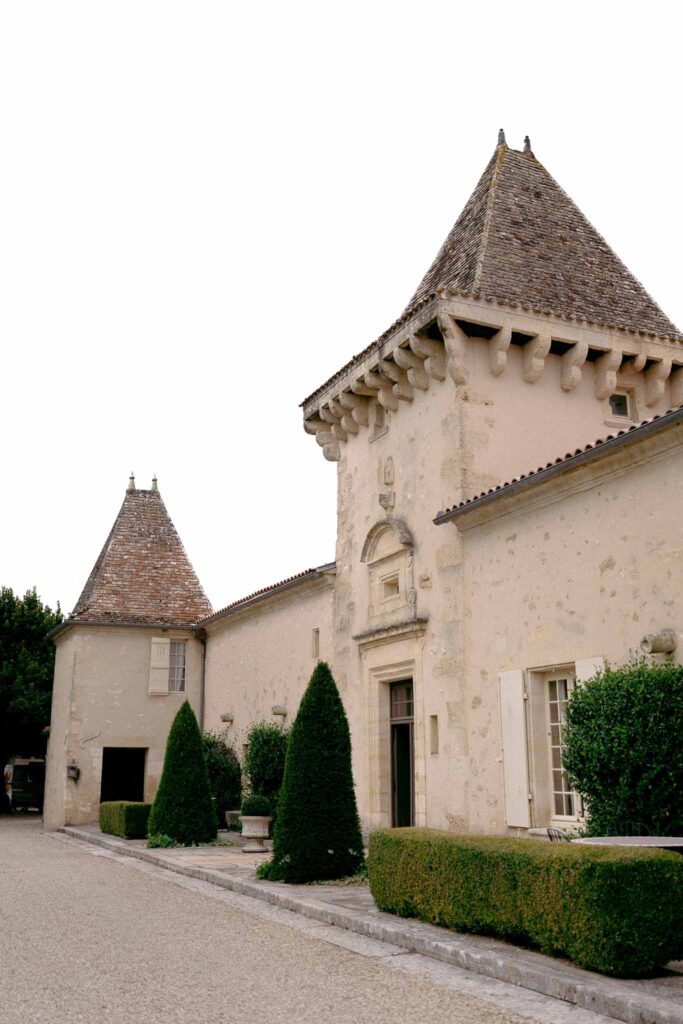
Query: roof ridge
x=501, y=150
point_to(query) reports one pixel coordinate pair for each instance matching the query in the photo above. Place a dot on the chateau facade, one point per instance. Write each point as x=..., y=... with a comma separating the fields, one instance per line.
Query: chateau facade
x=509, y=459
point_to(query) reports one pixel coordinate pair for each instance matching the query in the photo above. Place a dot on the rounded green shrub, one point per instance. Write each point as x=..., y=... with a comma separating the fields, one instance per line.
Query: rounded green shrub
x=317, y=832
x=623, y=748
x=183, y=808
x=225, y=774
x=264, y=761
x=256, y=806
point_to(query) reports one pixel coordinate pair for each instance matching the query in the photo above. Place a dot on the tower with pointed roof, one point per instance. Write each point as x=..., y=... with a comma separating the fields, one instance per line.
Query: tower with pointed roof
x=526, y=339
x=127, y=657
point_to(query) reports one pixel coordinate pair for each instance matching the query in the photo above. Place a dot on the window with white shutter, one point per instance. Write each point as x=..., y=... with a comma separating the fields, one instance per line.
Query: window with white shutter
x=159, y=665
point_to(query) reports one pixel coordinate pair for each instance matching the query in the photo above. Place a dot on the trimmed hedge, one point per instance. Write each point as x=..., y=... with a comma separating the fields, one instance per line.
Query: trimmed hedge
x=183, y=807
x=612, y=909
x=124, y=818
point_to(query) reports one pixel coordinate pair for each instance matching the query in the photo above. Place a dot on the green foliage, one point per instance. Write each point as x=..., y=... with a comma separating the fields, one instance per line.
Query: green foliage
x=256, y=805
x=27, y=659
x=125, y=818
x=317, y=832
x=225, y=774
x=161, y=842
x=623, y=748
x=264, y=761
x=612, y=909
x=183, y=807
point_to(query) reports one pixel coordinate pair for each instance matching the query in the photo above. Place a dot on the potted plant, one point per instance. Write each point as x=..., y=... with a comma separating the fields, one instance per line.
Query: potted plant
x=256, y=818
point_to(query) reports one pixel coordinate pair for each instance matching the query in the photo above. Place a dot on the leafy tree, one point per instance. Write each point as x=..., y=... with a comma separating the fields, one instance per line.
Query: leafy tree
x=623, y=748
x=317, y=831
x=183, y=808
x=27, y=659
x=264, y=761
x=225, y=774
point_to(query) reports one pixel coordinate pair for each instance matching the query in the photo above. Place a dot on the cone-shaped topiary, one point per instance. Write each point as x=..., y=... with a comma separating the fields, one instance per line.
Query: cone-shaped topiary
x=183, y=808
x=317, y=831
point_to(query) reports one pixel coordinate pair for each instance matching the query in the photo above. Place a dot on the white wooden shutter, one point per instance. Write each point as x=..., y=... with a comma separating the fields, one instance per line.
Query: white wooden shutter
x=515, y=759
x=586, y=668
x=159, y=665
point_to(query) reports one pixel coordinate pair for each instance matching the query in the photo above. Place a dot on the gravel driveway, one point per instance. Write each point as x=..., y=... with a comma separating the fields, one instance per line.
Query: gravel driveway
x=86, y=939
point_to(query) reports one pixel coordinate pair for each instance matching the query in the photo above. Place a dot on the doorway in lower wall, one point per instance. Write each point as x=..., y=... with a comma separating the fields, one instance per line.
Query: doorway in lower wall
x=123, y=773
x=402, y=754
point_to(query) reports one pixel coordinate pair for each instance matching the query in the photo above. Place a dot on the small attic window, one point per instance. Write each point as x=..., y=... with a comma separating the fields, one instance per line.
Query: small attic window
x=390, y=587
x=619, y=405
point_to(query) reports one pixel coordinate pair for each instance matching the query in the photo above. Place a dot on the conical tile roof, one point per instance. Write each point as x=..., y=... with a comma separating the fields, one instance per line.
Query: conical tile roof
x=143, y=574
x=521, y=240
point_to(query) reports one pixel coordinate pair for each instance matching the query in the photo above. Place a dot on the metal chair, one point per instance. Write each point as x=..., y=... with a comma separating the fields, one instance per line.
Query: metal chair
x=555, y=835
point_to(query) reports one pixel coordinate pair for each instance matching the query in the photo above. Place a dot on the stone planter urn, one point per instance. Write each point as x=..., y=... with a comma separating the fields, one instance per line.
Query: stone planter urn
x=255, y=828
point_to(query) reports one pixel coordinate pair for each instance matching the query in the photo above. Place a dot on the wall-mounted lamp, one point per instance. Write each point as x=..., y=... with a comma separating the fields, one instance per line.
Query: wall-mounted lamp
x=228, y=717
x=663, y=642
x=280, y=710
x=73, y=771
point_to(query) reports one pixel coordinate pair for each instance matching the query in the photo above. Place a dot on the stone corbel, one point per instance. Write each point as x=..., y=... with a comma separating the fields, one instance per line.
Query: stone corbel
x=572, y=361
x=456, y=347
x=313, y=425
x=348, y=425
x=655, y=380
x=434, y=355
x=358, y=407
x=533, y=357
x=606, y=368
x=498, y=350
x=414, y=367
x=402, y=388
x=332, y=452
x=384, y=388
x=335, y=427
x=676, y=386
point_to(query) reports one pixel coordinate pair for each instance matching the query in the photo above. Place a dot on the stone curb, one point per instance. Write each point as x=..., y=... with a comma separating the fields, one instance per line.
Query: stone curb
x=607, y=996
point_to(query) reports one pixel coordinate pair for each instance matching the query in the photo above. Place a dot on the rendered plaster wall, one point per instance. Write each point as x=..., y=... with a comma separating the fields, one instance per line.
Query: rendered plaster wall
x=582, y=568
x=448, y=443
x=264, y=656
x=101, y=699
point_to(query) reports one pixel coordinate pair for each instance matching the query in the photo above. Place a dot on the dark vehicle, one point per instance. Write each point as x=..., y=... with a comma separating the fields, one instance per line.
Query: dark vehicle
x=26, y=783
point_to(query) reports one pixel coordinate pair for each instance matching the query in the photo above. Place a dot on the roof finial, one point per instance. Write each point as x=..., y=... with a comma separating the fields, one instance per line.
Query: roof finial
x=501, y=137
x=527, y=144
x=131, y=482
x=155, y=484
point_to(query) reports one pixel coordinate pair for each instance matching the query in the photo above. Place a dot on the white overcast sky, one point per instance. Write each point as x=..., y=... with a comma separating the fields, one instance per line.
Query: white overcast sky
x=208, y=208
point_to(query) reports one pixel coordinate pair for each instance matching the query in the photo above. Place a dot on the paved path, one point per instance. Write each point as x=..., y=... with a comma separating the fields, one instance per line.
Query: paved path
x=83, y=938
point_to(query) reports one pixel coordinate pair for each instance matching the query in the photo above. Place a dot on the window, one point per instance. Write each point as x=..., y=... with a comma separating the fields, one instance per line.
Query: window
x=176, y=668
x=433, y=734
x=565, y=803
x=315, y=643
x=390, y=587
x=620, y=405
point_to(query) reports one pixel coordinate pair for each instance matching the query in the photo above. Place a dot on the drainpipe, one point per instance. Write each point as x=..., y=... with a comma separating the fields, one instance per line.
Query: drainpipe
x=201, y=635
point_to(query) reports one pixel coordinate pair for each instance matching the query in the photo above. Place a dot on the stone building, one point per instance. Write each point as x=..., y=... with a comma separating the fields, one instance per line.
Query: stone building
x=455, y=636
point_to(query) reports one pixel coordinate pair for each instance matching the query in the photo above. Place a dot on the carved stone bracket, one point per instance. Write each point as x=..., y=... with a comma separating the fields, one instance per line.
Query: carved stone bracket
x=456, y=347
x=606, y=368
x=498, y=350
x=414, y=367
x=676, y=385
x=402, y=387
x=358, y=407
x=434, y=355
x=384, y=389
x=572, y=361
x=655, y=379
x=533, y=357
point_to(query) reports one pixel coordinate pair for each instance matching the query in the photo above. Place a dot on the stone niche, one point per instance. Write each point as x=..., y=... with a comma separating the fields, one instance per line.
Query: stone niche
x=388, y=554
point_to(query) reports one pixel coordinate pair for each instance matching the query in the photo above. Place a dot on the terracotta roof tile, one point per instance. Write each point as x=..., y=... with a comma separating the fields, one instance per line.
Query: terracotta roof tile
x=143, y=574
x=521, y=240
x=299, y=577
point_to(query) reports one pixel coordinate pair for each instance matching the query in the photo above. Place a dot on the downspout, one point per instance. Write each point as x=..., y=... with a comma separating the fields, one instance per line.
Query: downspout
x=201, y=635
